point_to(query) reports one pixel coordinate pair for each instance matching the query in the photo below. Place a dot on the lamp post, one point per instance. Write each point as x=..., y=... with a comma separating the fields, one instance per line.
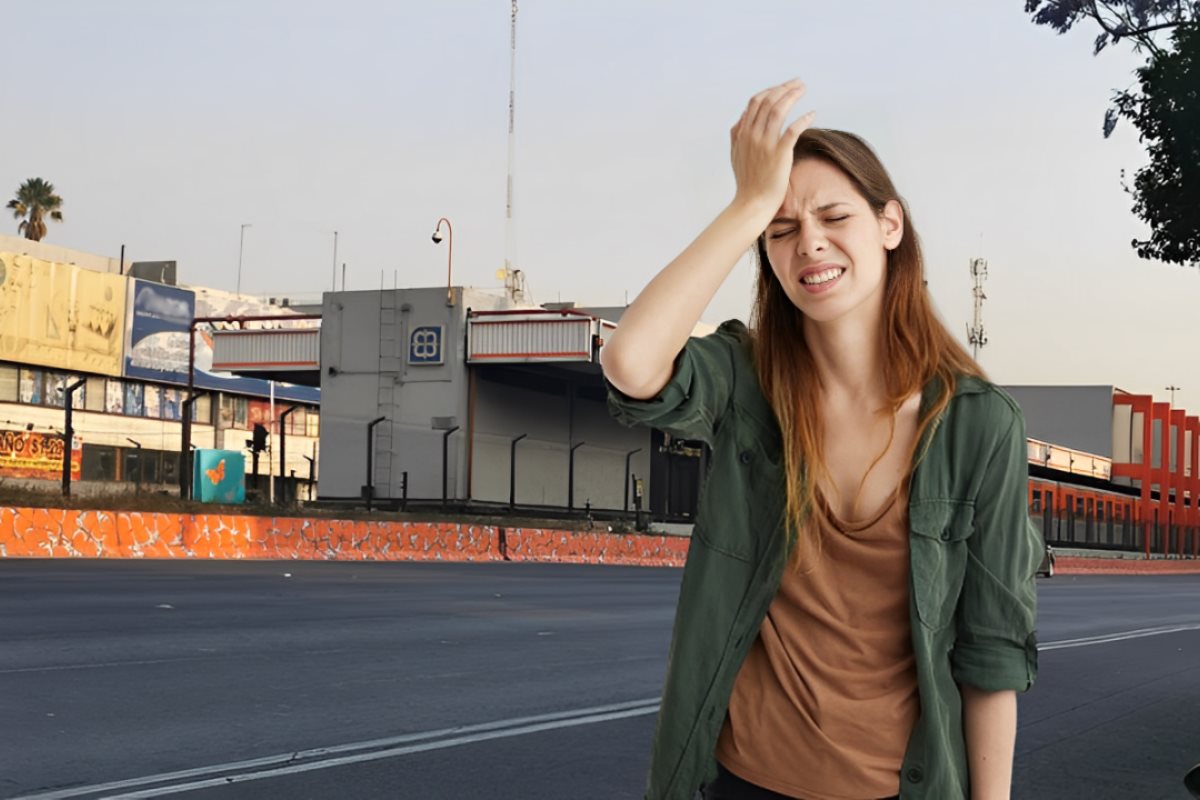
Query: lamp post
x=69, y=434
x=1173, y=389
x=283, y=453
x=138, y=445
x=437, y=238
x=369, y=489
x=241, y=247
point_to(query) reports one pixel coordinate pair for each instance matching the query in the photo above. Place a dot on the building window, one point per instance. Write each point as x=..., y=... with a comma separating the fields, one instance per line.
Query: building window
x=170, y=467
x=134, y=399
x=31, y=386
x=151, y=401
x=144, y=460
x=99, y=463
x=202, y=410
x=312, y=424
x=114, y=396
x=94, y=400
x=172, y=400
x=9, y=384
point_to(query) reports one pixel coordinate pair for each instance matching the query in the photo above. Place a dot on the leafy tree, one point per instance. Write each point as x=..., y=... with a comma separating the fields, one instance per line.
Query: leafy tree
x=34, y=201
x=1165, y=109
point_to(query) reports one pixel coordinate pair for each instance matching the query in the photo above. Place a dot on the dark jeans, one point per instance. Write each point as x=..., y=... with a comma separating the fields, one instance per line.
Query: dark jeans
x=727, y=786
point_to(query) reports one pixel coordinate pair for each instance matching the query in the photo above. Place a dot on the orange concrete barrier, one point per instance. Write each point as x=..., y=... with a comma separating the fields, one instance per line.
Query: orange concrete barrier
x=66, y=533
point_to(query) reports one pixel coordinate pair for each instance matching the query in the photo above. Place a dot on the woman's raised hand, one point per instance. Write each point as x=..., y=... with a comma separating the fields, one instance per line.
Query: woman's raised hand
x=761, y=152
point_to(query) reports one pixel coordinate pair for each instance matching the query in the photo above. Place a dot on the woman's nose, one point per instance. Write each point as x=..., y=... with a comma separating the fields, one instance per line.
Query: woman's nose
x=811, y=241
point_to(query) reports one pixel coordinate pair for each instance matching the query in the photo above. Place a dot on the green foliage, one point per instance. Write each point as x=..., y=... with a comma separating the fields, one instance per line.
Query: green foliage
x=1166, y=112
x=1165, y=109
x=35, y=201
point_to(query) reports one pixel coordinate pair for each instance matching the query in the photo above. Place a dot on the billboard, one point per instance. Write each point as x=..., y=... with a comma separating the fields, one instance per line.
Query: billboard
x=59, y=315
x=158, y=332
x=25, y=454
x=158, y=339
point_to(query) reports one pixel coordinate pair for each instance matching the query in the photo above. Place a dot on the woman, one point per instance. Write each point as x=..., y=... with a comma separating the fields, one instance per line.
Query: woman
x=857, y=610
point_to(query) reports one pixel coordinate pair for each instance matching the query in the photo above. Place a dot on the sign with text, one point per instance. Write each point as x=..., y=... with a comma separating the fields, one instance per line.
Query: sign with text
x=25, y=454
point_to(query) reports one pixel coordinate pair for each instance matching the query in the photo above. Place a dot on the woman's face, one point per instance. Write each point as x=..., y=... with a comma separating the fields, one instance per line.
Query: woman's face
x=827, y=246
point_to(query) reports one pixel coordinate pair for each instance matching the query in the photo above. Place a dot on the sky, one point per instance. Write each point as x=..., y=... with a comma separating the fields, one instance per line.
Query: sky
x=167, y=126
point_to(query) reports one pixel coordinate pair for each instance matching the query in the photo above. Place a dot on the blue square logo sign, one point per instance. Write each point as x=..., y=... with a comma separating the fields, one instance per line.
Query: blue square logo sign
x=425, y=345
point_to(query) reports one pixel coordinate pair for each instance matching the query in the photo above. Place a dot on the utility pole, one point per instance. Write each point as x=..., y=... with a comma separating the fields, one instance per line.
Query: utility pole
x=976, y=335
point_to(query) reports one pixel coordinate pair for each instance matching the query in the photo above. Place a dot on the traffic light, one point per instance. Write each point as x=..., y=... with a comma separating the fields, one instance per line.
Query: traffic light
x=259, y=442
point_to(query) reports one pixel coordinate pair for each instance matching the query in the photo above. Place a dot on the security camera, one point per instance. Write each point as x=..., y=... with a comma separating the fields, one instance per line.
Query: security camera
x=437, y=237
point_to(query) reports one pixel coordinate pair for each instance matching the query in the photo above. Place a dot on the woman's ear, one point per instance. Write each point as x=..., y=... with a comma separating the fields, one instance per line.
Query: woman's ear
x=891, y=223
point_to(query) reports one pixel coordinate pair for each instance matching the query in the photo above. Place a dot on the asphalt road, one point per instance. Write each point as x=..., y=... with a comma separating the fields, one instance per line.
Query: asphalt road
x=336, y=680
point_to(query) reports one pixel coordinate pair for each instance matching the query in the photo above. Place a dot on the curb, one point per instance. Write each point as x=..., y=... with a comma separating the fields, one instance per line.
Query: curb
x=1073, y=565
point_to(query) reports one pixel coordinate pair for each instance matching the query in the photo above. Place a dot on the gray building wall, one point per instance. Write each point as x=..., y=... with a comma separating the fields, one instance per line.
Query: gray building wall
x=1079, y=417
x=365, y=373
x=553, y=423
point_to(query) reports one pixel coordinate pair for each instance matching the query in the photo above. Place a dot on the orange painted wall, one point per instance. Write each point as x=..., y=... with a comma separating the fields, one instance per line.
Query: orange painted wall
x=63, y=533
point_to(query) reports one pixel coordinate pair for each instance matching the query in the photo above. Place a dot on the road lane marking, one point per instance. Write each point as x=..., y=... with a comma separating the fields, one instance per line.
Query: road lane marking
x=461, y=735
x=142, y=662
x=1106, y=638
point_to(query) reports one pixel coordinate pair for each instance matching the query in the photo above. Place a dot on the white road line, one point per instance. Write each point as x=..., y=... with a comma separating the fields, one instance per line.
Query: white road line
x=516, y=726
x=1106, y=638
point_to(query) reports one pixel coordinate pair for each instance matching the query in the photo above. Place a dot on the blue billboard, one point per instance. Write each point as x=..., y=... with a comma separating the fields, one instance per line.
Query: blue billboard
x=158, y=333
x=158, y=341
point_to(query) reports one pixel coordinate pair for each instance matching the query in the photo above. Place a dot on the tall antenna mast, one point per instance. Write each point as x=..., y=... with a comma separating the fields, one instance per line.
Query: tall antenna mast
x=976, y=334
x=511, y=282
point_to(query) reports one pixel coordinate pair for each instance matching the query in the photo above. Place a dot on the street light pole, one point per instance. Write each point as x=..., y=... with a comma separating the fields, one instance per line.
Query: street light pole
x=437, y=238
x=69, y=434
x=241, y=247
x=138, y=445
x=1173, y=389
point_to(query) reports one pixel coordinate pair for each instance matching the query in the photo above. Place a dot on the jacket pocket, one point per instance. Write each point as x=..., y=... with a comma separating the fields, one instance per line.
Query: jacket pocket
x=938, y=552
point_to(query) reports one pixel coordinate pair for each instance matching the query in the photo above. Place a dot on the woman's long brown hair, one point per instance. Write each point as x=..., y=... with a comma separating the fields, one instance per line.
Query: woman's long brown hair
x=916, y=346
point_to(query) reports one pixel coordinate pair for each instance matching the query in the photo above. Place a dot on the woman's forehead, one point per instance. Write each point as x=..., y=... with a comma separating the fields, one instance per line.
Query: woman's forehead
x=812, y=177
x=814, y=186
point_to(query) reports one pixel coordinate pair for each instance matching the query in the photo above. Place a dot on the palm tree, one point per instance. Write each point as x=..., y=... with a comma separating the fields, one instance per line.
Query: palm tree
x=35, y=199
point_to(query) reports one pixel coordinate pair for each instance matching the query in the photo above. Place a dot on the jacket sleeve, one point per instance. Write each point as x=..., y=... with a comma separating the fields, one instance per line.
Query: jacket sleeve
x=996, y=645
x=696, y=399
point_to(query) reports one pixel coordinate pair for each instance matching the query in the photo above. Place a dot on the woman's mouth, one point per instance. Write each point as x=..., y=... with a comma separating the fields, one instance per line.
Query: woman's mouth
x=823, y=281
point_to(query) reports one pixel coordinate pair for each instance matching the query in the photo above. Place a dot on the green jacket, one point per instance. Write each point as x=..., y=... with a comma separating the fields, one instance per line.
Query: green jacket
x=973, y=557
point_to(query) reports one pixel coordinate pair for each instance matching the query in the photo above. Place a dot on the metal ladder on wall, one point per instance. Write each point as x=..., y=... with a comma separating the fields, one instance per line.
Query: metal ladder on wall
x=385, y=403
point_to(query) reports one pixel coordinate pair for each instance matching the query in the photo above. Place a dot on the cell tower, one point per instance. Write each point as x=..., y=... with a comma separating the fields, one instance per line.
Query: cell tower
x=514, y=283
x=976, y=334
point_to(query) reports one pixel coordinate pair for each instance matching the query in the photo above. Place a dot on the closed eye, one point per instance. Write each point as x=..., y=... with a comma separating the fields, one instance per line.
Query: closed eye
x=838, y=219
x=779, y=234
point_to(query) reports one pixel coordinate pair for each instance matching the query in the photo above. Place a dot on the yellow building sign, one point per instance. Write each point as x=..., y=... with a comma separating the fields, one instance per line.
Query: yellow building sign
x=60, y=315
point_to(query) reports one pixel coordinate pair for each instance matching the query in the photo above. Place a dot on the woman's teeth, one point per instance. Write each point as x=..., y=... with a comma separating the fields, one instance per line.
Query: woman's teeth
x=822, y=277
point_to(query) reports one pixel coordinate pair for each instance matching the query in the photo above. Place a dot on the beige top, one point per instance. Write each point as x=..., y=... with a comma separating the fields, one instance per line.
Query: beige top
x=826, y=699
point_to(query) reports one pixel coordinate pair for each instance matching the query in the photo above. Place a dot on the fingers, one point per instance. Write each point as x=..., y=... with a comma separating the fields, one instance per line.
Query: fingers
x=797, y=128
x=764, y=103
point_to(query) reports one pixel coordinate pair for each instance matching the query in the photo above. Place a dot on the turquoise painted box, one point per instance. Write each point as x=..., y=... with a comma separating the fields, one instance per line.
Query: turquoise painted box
x=219, y=476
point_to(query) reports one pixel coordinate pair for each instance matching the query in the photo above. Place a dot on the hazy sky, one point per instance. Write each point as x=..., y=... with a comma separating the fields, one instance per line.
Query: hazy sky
x=165, y=126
